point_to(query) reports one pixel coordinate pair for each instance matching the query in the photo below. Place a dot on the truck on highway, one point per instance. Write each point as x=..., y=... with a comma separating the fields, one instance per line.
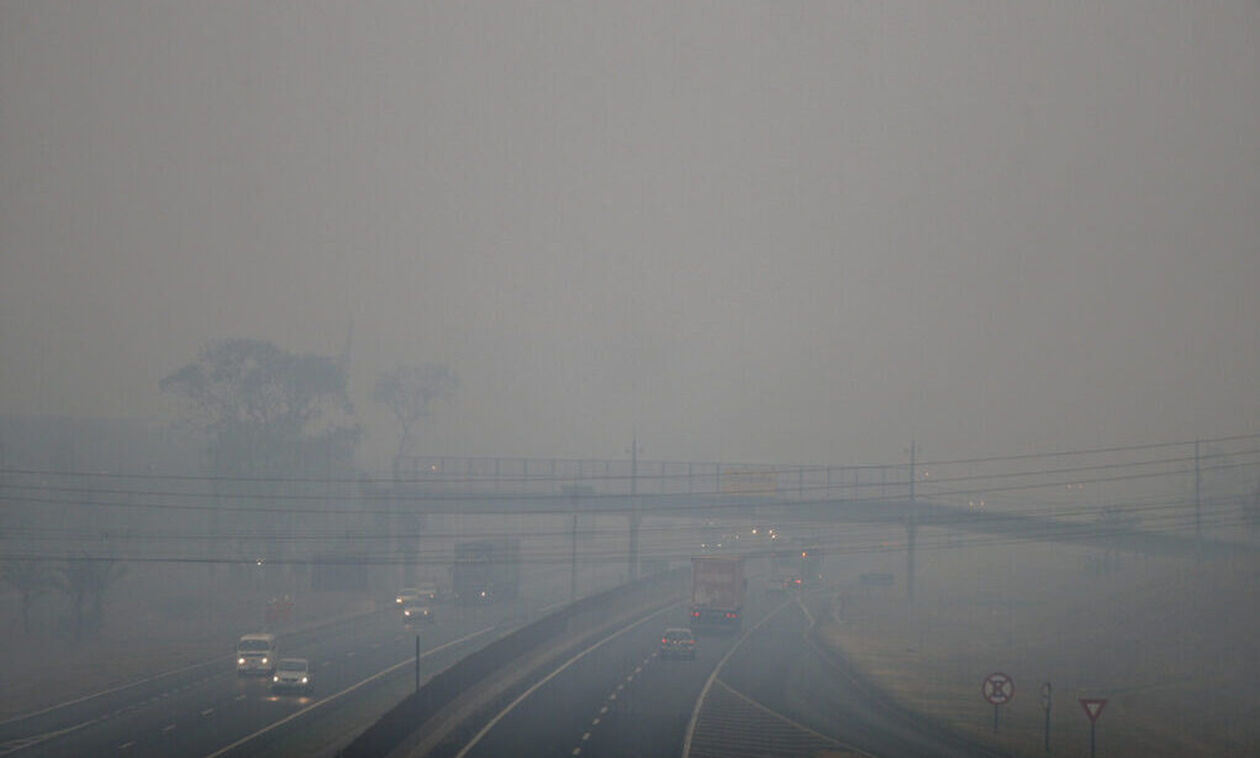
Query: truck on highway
x=486, y=570
x=718, y=586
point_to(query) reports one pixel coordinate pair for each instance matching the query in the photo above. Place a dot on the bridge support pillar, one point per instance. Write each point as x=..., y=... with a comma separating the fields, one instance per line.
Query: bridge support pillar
x=636, y=518
x=912, y=527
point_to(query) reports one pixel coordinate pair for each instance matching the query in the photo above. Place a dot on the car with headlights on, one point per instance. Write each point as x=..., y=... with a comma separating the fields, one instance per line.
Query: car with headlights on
x=256, y=654
x=292, y=675
x=415, y=613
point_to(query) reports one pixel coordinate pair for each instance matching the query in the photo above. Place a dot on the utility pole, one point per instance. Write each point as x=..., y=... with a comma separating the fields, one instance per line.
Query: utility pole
x=912, y=527
x=636, y=516
x=1198, y=532
x=573, y=550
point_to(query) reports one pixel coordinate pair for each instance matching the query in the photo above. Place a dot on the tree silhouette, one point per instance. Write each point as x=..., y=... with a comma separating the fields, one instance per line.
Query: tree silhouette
x=31, y=578
x=408, y=391
x=86, y=579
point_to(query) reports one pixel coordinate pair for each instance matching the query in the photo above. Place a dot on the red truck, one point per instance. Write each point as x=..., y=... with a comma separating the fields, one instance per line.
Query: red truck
x=717, y=590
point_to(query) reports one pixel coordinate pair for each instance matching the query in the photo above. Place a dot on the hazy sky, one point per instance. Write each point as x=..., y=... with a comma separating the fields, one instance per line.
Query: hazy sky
x=769, y=231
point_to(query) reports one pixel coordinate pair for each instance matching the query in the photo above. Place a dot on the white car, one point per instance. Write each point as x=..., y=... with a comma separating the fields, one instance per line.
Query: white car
x=292, y=675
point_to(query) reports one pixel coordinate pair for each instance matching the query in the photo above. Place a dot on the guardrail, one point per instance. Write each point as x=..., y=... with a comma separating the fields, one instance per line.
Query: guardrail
x=564, y=629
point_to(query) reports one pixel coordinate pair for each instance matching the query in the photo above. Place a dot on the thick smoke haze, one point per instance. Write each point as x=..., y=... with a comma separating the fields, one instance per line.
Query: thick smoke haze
x=778, y=232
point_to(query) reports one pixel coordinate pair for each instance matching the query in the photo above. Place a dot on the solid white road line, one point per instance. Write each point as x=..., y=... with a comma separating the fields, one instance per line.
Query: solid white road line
x=409, y=662
x=695, y=711
x=520, y=698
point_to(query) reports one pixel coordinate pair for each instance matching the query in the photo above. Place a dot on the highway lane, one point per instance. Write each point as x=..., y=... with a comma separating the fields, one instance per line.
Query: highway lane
x=776, y=694
x=616, y=698
x=203, y=709
x=202, y=715
x=780, y=678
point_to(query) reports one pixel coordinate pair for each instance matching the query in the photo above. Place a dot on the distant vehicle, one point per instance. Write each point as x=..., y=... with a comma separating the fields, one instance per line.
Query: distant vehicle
x=256, y=654
x=292, y=675
x=798, y=564
x=718, y=587
x=486, y=571
x=427, y=592
x=405, y=595
x=678, y=642
x=414, y=612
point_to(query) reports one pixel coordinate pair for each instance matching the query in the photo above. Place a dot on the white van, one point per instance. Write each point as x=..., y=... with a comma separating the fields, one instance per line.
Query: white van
x=257, y=654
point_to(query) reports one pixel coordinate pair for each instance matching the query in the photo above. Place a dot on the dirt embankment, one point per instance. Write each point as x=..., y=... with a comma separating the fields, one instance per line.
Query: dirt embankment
x=1170, y=643
x=153, y=621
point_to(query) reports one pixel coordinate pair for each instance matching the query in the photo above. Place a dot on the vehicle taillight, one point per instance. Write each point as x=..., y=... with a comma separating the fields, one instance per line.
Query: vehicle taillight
x=663, y=640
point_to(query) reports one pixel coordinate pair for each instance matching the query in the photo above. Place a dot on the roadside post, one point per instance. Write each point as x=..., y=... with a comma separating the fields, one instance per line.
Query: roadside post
x=1045, y=706
x=998, y=689
x=1092, y=706
x=417, y=663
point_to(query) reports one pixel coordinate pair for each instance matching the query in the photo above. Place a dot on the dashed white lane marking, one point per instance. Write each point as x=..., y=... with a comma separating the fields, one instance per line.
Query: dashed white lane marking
x=106, y=692
x=168, y=727
x=586, y=736
x=603, y=710
x=375, y=645
x=519, y=698
x=576, y=751
x=621, y=686
x=349, y=653
x=207, y=712
x=240, y=697
x=126, y=745
x=595, y=722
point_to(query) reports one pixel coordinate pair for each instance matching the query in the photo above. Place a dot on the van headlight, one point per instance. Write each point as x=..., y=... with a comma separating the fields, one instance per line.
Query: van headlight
x=275, y=678
x=264, y=660
x=240, y=661
x=304, y=680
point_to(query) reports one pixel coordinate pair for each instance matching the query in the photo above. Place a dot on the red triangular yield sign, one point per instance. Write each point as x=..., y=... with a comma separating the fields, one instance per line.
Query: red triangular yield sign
x=1093, y=706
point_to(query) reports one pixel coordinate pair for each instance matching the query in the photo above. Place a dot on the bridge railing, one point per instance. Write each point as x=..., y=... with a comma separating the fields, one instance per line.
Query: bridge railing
x=444, y=475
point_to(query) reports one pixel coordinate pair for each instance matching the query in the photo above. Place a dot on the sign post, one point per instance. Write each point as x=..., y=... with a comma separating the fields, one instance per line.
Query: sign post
x=1093, y=706
x=1045, y=706
x=997, y=688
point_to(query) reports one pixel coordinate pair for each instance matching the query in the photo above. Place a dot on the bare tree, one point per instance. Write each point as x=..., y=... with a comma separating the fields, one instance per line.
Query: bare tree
x=408, y=391
x=31, y=578
x=86, y=579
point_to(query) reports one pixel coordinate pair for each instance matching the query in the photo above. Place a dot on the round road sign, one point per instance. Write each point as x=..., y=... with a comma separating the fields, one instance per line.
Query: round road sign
x=998, y=689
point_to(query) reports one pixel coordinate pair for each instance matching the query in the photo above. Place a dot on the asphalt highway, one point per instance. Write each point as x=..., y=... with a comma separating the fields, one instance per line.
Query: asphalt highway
x=204, y=709
x=361, y=666
x=766, y=691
